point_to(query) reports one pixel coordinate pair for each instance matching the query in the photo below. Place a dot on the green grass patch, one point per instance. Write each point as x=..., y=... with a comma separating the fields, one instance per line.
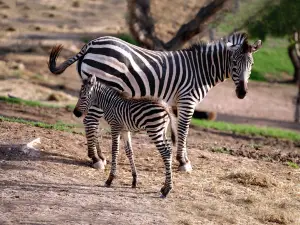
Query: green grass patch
x=57, y=126
x=70, y=107
x=257, y=76
x=293, y=165
x=26, y=102
x=271, y=59
x=248, y=129
x=221, y=150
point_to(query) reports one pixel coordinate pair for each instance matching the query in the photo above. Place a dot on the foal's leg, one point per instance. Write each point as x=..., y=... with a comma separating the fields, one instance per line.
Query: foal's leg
x=128, y=149
x=102, y=161
x=115, y=135
x=91, y=124
x=165, y=151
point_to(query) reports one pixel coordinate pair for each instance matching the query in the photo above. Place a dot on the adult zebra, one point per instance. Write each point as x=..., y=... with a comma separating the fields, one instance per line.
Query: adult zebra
x=180, y=78
x=125, y=115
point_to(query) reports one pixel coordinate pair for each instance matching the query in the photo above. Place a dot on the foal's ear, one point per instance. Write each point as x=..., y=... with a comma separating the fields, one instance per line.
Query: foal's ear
x=93, y=79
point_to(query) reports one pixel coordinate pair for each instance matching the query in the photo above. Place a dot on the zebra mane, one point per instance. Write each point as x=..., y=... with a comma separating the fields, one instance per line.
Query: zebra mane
x=150, y=99
x=235, y=39
x=127, y=96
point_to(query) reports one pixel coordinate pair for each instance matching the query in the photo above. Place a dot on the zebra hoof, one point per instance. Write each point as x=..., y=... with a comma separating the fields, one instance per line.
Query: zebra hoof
x=100, y=165
x=165, y=191
x=107, y=184
x=186, y=167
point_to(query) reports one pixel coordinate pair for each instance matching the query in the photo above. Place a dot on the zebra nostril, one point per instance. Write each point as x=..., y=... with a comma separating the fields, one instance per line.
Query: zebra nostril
x=240, y=92
x=77, y=113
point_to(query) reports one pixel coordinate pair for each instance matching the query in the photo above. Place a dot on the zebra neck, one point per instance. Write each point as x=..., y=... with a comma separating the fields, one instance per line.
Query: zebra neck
x=102, y=96
x=212, y=64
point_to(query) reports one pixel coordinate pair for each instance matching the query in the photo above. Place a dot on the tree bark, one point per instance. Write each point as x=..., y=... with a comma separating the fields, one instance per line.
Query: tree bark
x=141, y=24
x=295, y=61
x=294, y=53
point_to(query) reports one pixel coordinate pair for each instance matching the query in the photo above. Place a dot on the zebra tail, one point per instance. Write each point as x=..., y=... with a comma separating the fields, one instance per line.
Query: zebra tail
x=61, y=68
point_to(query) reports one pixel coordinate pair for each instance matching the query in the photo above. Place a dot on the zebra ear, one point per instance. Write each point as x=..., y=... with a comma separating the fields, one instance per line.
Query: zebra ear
x=231, y=47
x=257, y=45
x=229, y=44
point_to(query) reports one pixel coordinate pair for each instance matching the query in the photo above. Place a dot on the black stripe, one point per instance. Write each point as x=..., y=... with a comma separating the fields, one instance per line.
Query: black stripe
x=110, y=70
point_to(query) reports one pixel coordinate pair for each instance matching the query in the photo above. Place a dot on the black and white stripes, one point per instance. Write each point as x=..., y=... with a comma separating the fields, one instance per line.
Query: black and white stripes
x=180, y=78
x=124, y=115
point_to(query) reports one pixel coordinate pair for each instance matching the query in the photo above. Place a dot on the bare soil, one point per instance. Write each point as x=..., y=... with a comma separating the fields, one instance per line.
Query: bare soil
x=57, y=186
x=236, y=179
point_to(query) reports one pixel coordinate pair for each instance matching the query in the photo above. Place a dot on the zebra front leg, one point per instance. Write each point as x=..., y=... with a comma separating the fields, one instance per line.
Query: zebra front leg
x=91, y=125
x=129, y=153
x=185, y=113
x=115, y=135
x=165, y=151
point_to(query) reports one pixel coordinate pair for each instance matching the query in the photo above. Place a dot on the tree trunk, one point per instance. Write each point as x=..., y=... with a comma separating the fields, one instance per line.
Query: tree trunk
x=141, y=24
x=294, y=53
x=296, y=62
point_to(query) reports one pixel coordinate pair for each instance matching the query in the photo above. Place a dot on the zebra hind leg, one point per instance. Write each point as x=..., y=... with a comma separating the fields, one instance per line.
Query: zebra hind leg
x=129, y=153
x=185, y=113
x=165, y=151
x=91, y=129
x=115, y=135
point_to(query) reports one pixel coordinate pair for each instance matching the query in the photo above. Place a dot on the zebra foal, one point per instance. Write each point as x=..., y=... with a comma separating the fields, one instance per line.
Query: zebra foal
x=180, y=78
x=124, y=115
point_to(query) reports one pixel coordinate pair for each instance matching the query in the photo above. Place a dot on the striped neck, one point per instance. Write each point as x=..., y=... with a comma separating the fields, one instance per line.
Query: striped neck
x=212, y=63
x=102, y=95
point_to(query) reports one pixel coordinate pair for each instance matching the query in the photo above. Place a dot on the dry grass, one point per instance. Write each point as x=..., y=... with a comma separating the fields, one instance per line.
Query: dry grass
x=251, y=178
x=277, y=216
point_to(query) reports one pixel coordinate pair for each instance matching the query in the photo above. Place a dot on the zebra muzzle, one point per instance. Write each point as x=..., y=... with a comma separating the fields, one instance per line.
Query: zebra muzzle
x=77, y=113
x=241, y=89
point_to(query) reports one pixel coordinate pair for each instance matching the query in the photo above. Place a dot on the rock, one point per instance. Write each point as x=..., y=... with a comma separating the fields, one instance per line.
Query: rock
x=58, y=97
x=11, y=29
x=16, y=66
x=76, y=4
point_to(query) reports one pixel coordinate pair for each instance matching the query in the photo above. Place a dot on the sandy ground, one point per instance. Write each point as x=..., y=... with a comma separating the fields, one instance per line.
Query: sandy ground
x=55, y=184
x=235, y=179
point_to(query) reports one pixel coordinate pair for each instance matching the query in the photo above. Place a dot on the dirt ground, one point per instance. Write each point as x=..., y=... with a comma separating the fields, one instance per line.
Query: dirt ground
x=55, y=184
x=236, y=179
